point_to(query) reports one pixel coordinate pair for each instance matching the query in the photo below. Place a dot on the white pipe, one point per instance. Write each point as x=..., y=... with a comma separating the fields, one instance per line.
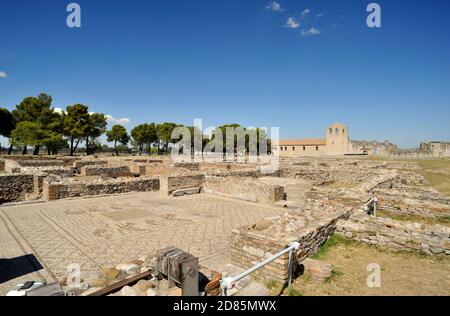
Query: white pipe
x=229, y=282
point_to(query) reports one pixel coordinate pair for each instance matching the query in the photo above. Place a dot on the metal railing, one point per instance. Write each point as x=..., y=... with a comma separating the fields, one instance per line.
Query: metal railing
x=229, y=283
x=371, y=207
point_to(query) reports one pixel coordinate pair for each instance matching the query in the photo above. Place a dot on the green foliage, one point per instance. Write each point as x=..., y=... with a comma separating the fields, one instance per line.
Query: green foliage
x=144, y=135
x=76, y=125
x=333, y=241
x=97, y=127
x=164, y=134
x=26, y=133
x=46, y=123
x=294, y=292
x=334, y=274
x=7, y=122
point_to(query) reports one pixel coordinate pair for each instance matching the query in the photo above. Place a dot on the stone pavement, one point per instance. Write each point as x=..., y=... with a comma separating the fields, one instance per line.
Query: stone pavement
x=101, y=232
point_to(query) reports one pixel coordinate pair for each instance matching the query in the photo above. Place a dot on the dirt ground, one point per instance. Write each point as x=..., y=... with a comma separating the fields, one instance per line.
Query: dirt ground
x=401, y=273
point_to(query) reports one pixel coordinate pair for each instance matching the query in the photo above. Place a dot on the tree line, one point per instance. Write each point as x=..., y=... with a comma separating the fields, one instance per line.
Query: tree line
x=35, y=123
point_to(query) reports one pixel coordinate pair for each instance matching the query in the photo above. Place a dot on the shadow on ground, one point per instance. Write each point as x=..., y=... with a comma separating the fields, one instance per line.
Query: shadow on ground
x=17, y=267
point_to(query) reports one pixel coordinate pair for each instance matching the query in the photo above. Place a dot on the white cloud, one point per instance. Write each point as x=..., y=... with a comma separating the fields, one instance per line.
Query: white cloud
x=306, y=12
x=112, y=119
x=319, y=15
x=274, y=6
x=3, y=74
x=292, y=23
x=58, y=110
x=311, y=32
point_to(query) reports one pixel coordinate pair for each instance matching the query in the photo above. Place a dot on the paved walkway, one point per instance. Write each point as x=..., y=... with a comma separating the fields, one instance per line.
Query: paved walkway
x=104, y=231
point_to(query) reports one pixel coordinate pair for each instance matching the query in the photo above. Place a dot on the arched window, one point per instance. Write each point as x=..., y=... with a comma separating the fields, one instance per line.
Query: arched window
x=304, y=148
x=293, y=148
x=317, y=148
x=331, y=131
x=337, y=131
x=343, y=131
x=281, y=148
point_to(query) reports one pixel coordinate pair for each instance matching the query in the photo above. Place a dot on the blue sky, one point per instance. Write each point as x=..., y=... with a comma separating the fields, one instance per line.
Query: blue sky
x=236, y=61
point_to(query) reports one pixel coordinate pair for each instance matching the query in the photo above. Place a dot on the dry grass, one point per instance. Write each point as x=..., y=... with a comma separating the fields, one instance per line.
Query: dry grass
x=401, y=273
x=441, y=220
x=437, y=173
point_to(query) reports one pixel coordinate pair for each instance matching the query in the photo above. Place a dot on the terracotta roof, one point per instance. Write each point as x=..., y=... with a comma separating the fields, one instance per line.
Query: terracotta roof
x=301, y=142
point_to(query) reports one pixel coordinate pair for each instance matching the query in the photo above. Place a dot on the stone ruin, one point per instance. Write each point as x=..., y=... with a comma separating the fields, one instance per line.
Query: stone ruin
x=330, y=202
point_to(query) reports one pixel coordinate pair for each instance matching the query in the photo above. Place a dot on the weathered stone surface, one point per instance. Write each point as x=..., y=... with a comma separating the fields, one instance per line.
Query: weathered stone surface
x=14, y=187
x=83, y=163
x=128, y=291
x=68, y=188
x=170, y=184
x=128, y=268
x=395, y=234
x=318, y=270
x=110, y=274
x=113, y=171
x=183, y=192
x=311, y=229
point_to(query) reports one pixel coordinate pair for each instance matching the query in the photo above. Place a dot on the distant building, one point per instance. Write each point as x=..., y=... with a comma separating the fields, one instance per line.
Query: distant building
x=335, y=143
x=437, y=149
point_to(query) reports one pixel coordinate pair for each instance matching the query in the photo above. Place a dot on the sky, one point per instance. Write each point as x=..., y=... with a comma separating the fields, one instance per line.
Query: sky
x=294, y=64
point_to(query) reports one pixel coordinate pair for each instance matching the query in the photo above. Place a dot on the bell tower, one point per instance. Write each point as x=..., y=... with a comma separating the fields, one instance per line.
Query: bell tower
x=338, y=142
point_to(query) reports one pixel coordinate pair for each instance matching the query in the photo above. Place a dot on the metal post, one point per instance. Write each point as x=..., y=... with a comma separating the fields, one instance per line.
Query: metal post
x=230, y=282
x=291, y=262
x=375, y=206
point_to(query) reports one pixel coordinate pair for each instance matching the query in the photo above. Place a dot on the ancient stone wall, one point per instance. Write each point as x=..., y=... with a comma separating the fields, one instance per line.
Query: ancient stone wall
x=2, y=165
x=138, y=168
x=113, y=172
x=11, y=166
x=252, y=245
x=328, y=171
x=41, y=163
x=67, y=189
x=15, y=187
x=188, y=165
x=396, y=235
x=82, y=163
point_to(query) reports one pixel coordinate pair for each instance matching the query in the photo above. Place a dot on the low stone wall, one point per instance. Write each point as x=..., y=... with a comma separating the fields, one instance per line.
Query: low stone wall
x=41, y=176
x=193, y=166
x=169, y=184
x=12, y=166
x=41, y=163
x=82, y=163
x=67, y=189
x=2, y=165
x=425, y=204
x=113, y=172
x=252, y=245
x=245, y=188
x=15, y=187
x=396, y=235
x=140, y=169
